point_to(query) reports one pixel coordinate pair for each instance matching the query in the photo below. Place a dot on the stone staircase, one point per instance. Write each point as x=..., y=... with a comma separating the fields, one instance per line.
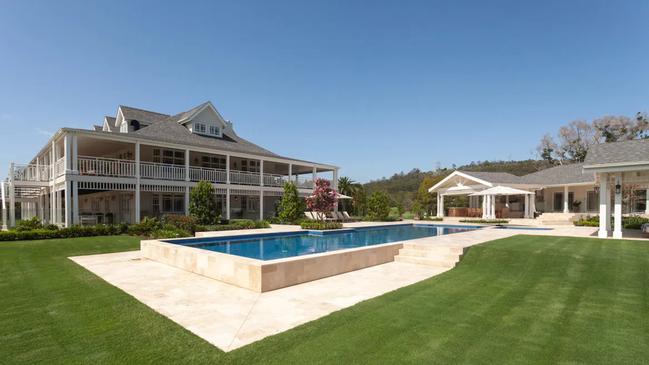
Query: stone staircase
x=557, y=219
x=442, y=256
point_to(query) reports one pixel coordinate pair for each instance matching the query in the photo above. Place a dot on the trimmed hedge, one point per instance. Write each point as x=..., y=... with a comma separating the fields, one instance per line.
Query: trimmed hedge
x=234, y=225
x=485, y=221
x=321, y=226
x=70, y=232
x=630, y=222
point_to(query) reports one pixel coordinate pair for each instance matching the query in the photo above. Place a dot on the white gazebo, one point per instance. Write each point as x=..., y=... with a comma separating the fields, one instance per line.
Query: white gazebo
x=482, y=189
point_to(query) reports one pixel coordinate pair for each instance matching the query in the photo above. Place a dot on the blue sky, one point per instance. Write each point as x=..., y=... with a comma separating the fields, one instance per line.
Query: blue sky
x=374, y=87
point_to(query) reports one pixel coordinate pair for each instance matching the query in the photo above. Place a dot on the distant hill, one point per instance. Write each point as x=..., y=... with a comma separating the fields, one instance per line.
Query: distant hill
x=402, y=187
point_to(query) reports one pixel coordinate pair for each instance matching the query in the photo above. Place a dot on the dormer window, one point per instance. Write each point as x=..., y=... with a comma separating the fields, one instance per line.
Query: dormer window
x=215, y=130
x=200, y=128
x=124, y=127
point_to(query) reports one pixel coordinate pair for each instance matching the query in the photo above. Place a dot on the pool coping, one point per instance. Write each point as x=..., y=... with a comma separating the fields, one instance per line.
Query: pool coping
x=266, y=275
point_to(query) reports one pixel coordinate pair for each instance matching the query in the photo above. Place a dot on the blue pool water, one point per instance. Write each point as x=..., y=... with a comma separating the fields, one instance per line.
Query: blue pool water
x=273, y=246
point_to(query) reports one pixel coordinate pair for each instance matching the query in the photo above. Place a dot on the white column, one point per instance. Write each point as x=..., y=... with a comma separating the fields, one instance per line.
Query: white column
x=227, y=203
x=57, y=209
x=3, y=200
x=646, y=204
x=492, y=199
x=532, y=205
x=68, y=203
x=566, y=208
x=261, y=172
x=186, y=165
x=290, y=175
x=12, y=197
x=315, y=174
x=41, y=207
x=75, y=154
x=441, y=205
x=261, y=205
x=38, y=168
x=617, y=214
x=67, y=147
x=137, y=182
x=527, y=206
x=484, y=207
x=75, y=202
x=52, y=205
x=227, y=175
x=186, y=200
x=603, y=206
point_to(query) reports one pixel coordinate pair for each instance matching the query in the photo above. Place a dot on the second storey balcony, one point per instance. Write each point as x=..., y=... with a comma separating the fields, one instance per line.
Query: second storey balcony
x=125, y=168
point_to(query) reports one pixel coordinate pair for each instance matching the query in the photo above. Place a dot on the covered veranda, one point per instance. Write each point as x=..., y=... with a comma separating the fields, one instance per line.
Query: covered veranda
x=483, y=199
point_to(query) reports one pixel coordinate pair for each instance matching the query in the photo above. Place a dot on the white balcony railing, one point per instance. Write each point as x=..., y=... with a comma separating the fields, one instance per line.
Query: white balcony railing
x=274, y=180
x=207, y=174
x=244, y=178
x=302, y=182
x=98, y=166
x=160, y=171
x=59, y=167
x=31, y=172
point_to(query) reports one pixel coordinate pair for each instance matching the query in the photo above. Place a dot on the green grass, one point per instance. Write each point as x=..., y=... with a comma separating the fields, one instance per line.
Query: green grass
x=524, y=299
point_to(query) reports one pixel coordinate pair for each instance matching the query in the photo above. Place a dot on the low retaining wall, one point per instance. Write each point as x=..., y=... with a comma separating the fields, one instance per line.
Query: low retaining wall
x=262, y=276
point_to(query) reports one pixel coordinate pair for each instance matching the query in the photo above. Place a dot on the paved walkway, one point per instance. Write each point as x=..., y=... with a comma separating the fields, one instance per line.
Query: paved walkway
x=230, y=317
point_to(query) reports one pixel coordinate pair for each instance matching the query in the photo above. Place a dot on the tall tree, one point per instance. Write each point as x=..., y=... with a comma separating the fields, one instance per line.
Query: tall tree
x=202, y=205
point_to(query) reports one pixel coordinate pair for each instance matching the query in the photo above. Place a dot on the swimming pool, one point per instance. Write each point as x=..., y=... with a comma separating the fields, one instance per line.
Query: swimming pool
x=283, y=245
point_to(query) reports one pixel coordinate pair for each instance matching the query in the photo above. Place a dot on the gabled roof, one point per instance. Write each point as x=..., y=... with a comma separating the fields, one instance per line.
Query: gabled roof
x=98, y=127
x=560, y=175
x=141, y=115
x=495, y=177
x=618, y=153
x=110, y=124
x=186, y=115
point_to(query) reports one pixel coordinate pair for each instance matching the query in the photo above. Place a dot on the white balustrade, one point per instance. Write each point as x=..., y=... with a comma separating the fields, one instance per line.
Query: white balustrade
x=160, y=171
x=98, y=166
x=244, y=178
x=304, y=183
x=59, y=167
x=274, y=180
x=23, y=172
x=207, y=174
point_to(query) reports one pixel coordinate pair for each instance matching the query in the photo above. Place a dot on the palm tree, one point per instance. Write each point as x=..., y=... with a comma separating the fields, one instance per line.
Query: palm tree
x=349, y=187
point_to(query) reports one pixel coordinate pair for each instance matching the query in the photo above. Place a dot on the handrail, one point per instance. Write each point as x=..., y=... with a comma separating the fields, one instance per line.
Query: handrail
x=101, y=166
x=156, y=170
x=197, y=173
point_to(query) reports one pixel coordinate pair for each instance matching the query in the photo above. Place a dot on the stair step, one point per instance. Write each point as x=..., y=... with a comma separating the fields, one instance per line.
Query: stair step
x=443, y=250
x=429, y=254
x=425, y=261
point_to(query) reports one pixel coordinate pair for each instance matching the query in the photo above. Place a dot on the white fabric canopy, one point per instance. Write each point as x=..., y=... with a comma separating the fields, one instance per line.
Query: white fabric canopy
x=502, y=190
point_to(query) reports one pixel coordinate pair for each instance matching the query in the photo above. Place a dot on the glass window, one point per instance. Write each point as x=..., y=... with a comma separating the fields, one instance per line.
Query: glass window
x=199, y=127
x=156, y=204
x=592, y=199
x=214, y=130
x=166, y=203
x=179, y=203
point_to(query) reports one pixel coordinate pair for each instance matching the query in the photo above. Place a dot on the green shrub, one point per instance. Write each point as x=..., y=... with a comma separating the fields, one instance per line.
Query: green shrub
x=587, y=222
x=145, y=227
x=378, y=206
x=169, y=231
x=320, y=225
x=29, y=224
x=202, y=205
x=485, y=221
x=291, y=206
x=634, y=222
x=181, y=222
x=235, y=224
x=69, y=232
x=408, y=215
x=394, y=212
x=432, y=219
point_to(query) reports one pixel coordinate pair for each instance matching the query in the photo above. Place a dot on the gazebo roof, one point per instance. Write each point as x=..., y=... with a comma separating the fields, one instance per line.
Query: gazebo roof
x=502, y=190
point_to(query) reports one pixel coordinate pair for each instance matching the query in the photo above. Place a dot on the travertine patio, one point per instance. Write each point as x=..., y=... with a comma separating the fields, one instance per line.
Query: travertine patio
x=230, y=317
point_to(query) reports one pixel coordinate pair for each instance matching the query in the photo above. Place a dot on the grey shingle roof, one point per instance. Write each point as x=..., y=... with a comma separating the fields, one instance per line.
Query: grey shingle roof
x=98, y=127
x=618, y=152
x=559, y=175
x=180, y=116
x=142, y=115
x=495, y=177
x=169, y=130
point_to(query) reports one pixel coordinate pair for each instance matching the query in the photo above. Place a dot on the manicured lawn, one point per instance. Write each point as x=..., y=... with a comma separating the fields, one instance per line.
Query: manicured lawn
x=522, y=300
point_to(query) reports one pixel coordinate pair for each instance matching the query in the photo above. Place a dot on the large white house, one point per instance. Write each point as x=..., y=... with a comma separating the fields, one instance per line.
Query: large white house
x=143, y=163
x=614, y=179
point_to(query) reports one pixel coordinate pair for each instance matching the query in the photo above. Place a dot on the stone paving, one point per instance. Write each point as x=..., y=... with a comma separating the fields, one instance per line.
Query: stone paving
x=230, y=317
